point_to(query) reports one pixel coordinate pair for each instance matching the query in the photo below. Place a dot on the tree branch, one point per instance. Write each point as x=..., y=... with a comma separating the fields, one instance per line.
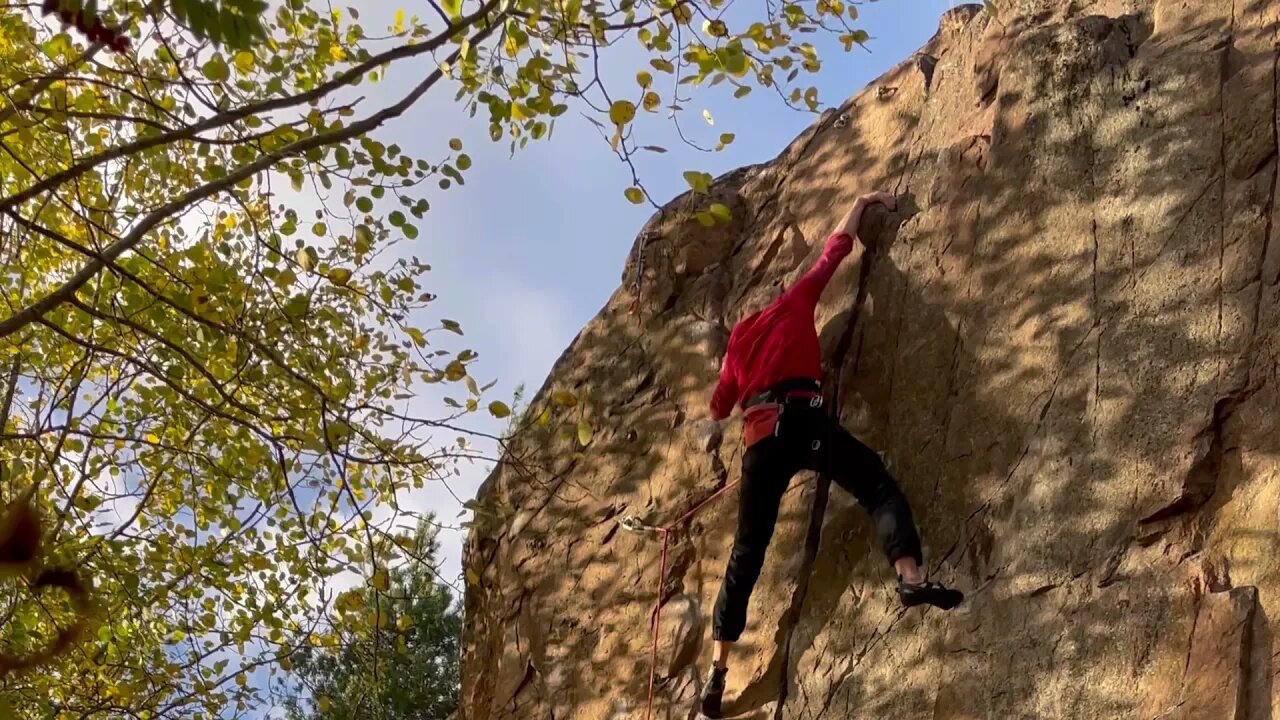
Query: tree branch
x=230, y=116
x=63, y=293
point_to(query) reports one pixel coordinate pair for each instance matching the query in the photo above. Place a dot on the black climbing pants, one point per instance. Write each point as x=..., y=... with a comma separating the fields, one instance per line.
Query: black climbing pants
x=806, y=438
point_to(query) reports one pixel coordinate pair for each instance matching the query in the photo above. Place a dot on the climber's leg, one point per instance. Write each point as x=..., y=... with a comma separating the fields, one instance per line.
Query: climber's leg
x=860, y=471
x=766, y=470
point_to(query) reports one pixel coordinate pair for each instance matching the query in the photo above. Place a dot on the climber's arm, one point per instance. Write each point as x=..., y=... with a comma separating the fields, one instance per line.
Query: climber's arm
x=809, y=288
x=726, y=392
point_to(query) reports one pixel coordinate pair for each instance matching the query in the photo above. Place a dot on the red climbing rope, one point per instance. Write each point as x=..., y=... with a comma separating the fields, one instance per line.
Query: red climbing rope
x=630, y=523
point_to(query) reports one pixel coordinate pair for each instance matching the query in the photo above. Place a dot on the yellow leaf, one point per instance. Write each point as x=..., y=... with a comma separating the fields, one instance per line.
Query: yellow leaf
x=404, y=622
x=622, y=112
x=584, y=433
x=242, y=679
x=152, y=438
x=399, y=26
x=720, y=212
x=324, y=703
x=473, y=578
x=382, y=581
x=519, y=112
x=340, y=276
x=499, y=409
x=682, y=13
x=244, y=61
x=337, y=53
x=651, y=101
x=455, y=371
x=634, y=194
x=306, y=258
x=644, y=79
x=564, y=398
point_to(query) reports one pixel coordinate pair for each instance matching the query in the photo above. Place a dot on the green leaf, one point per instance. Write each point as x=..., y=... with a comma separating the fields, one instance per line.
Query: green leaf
x=453, y=8
x=363, y=238
x=340, y=276
x=216, y=69
x=644, y=79
x=742, y=92
x=726, y=138
x=720, y=212
x=455, y=145
x=699, y=181
x=622, y=112
x=463, y=162
x=452, y=326
x=634, y=194
x=396, y=218
x=499, y=409
x=705, y=219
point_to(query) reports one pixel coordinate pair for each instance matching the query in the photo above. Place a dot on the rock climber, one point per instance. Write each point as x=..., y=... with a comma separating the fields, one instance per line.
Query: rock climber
x=773, y=368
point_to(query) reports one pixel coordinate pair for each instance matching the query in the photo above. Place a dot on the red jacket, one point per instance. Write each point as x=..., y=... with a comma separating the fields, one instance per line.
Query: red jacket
x=779, y=342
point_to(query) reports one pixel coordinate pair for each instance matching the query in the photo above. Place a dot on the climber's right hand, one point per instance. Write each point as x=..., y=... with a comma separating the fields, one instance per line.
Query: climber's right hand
x=709, y=434
x=882, y=198
x=853, y=220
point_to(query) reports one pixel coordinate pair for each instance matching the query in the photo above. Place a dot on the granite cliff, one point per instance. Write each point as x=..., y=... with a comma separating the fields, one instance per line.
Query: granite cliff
x=1065, y=343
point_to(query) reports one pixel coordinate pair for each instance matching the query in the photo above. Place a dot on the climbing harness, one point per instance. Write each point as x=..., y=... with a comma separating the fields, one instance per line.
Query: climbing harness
x=631, y=523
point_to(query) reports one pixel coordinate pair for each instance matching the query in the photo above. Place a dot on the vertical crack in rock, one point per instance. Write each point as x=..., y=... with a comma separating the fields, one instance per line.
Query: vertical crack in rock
x=1222, y=203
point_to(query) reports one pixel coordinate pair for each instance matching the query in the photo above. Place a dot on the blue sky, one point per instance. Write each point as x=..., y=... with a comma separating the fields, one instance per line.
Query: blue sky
x=533, y=245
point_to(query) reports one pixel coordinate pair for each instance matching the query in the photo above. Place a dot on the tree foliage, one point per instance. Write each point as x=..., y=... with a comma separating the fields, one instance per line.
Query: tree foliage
x=214, y=323
x=397, y=658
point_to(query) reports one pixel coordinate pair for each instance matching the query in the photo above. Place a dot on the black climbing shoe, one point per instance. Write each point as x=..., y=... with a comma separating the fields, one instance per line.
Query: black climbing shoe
x=928, y=593
x=713, y=693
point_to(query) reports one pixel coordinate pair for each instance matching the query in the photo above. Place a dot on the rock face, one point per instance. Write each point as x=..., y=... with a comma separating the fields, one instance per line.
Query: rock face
x=1065, y=344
